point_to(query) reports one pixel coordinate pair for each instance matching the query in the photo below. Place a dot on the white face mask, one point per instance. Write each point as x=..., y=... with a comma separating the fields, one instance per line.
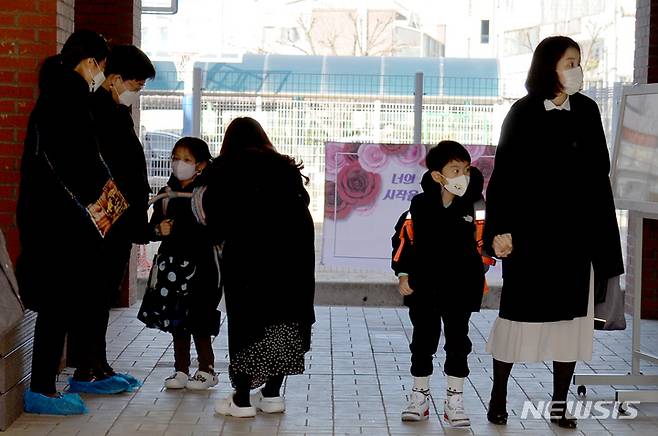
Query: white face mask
x=457, y=185
x=129, y=98
x=97, y=80
x=183, y=170
x=571, y=80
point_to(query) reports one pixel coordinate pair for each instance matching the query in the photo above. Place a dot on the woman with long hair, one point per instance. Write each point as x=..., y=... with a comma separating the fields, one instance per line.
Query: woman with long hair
x=257, y=206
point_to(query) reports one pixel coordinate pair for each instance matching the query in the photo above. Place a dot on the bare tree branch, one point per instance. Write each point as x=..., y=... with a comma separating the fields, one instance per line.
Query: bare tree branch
x=594, y=31
x=307, y=34
x=356, y=33
x=380, y=27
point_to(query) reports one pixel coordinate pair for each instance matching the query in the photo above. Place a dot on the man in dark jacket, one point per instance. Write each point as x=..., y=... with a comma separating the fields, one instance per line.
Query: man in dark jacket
x=127, y=70
x=441, y=274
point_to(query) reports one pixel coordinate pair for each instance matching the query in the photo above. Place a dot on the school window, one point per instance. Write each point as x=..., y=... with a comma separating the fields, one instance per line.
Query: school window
x=484, y=32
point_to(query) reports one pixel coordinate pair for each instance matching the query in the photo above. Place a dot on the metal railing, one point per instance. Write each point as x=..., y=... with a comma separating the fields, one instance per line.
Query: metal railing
x=300, y=112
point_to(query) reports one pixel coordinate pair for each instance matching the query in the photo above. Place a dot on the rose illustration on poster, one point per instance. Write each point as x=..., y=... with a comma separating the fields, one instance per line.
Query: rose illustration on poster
x=373, y=158
x=335, y=207
x=358, y=186
x=335, y=159
x=412, y=155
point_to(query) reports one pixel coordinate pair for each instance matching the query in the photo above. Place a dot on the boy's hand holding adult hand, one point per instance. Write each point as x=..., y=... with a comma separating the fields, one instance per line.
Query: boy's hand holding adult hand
x=502, y=245
x=165, y=227
x=404, y=286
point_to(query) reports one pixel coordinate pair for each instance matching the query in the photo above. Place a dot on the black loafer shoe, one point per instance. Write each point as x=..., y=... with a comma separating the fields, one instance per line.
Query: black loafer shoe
x=497, y=418
x=564, y=422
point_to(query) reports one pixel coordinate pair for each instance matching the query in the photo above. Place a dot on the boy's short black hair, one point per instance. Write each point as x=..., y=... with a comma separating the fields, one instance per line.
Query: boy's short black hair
x=445, y=152
x=197, y=147
x=543, y=80
x=130, y=63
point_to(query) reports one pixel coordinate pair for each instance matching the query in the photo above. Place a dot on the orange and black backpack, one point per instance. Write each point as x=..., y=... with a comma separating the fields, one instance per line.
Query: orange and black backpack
x=403, y=239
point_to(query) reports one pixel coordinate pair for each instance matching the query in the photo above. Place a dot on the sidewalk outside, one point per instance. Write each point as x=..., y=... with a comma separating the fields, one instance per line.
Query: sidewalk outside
x=357, y=382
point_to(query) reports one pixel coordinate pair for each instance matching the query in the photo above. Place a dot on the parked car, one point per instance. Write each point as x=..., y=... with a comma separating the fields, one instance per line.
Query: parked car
x=157, y=149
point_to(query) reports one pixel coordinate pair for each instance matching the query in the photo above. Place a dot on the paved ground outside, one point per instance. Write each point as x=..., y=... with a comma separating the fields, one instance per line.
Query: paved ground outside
x=357, y=381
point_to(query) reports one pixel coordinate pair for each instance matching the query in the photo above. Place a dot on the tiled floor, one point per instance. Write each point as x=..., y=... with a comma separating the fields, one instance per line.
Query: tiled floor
x=356, y=383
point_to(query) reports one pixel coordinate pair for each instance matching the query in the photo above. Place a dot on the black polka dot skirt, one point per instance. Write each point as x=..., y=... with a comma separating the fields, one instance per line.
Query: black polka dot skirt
x=279, y=352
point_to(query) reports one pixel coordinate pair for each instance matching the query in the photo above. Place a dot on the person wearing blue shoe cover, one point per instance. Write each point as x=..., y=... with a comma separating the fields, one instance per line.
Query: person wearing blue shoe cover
x=127, y=70
x=61, y=238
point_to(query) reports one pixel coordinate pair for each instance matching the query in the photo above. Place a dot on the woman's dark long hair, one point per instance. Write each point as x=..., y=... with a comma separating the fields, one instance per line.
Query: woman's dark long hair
x=543, y=80
x=245, y=133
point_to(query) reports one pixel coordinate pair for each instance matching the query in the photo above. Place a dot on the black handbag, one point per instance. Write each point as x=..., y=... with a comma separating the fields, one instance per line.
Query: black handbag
x=166, y=302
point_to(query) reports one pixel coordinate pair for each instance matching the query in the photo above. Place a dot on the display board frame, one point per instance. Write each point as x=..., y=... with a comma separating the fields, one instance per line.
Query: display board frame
x=621, y=202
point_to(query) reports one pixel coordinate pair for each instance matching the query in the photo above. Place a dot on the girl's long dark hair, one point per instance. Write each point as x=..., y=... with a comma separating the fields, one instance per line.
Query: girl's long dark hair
x=245, y=133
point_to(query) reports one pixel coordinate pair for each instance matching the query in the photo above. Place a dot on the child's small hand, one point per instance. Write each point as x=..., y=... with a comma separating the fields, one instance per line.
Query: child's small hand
x=404, y=286
x=165, y=227
x=502, y=245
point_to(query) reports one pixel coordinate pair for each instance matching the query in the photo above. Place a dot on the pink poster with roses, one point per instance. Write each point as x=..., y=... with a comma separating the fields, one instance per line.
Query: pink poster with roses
x=367, y=187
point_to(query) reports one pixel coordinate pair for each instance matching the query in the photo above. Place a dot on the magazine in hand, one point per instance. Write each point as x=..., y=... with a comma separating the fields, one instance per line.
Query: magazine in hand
x=108, y=208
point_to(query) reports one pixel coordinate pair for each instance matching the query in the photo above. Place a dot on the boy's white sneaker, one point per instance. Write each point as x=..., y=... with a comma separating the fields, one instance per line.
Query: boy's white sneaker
x=268, y=404
x=453, y=411
x=178, y=380
x=202, y=380
x=227, y=407
x=418, y=408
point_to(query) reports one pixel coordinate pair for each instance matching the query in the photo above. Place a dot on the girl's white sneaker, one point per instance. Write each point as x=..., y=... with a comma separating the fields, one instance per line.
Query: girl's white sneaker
x=178, y=380
x=268, y=404
x=227, y=407
x=202, y=380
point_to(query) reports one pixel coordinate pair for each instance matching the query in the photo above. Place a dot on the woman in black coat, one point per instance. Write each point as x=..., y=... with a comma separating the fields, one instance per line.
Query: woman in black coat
x=550, y=210
x=61, y=173
x=257, y=205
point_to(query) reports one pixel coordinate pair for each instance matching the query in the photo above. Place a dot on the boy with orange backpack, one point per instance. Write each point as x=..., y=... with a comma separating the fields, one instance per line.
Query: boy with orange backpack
x=441, y=274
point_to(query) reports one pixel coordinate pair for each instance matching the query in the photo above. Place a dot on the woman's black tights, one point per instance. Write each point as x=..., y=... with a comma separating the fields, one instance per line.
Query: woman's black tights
x=501, y=372
x=562, y=374
x=242, y=383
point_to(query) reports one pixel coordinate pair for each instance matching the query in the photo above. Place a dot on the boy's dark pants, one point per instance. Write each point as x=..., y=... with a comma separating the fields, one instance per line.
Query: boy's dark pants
x=426, y=319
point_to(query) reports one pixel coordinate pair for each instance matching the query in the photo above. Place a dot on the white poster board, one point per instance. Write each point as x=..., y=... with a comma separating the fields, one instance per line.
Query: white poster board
x=635, y=161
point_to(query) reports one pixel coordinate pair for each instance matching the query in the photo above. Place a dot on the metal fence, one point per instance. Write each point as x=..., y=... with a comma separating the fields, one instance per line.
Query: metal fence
x=300, y=112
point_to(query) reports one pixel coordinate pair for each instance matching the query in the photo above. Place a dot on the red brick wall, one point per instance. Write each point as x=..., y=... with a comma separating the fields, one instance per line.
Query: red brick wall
x=30, y=30
x=646, y=71
x=118, y=20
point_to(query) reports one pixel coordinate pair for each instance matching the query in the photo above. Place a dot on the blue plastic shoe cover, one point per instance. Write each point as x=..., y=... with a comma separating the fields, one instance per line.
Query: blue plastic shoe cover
x=65, y=404
x=132, y=381
x=108, y=386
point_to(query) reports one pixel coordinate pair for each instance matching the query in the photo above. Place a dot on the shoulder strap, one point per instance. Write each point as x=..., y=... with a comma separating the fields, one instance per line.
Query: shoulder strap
x=407, y=227
x=167, y=195
x=197, y=204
